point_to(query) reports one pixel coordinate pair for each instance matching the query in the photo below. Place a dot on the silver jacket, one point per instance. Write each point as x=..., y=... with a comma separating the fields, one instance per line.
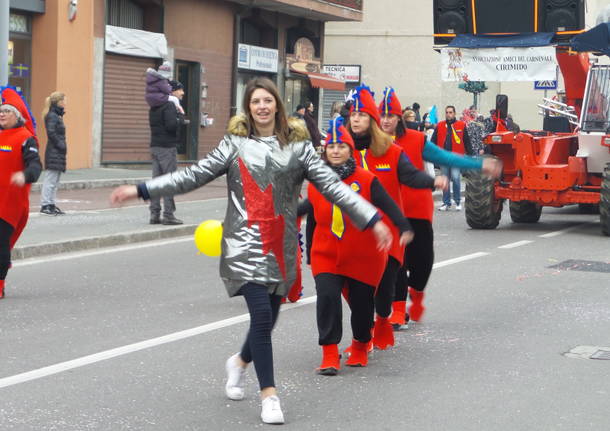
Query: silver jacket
x=264, y=181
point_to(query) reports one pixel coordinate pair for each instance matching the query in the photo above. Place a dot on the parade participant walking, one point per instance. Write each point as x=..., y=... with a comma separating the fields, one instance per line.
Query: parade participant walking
x=451, y=135
x=340, y=256
x=19, y=167
x=266, y=157
x=377, y=153
x=55, y=152
x=418, y=206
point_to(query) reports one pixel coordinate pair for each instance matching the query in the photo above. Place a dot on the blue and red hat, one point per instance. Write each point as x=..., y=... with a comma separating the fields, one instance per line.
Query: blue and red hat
x=390, y=105
x=338, y=134
x=363, y=100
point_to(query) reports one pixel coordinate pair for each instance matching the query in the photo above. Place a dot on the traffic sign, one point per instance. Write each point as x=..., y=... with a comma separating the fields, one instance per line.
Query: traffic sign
x=545, y=85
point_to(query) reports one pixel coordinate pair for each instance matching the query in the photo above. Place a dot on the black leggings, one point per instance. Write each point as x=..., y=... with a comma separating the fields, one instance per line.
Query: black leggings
x=6, y=231
x=330, y=311
x=419, y=258
x=264, y=309
x=385, y=292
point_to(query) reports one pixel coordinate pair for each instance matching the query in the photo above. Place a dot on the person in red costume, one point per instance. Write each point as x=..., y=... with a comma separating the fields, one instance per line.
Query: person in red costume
x=377, y=153
x=337, y=251
x=19, y=167
x=418, y=206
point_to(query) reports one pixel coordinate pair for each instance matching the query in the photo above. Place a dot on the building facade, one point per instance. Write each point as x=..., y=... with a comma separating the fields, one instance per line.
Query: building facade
x=97, y=54
x=394, y=46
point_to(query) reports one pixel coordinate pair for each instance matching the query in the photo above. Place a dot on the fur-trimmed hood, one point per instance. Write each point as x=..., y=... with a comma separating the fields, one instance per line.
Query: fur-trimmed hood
x=298, y=130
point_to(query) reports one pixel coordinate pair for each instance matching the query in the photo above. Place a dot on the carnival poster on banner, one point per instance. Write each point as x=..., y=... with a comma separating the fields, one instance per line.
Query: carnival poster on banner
x=499, y=64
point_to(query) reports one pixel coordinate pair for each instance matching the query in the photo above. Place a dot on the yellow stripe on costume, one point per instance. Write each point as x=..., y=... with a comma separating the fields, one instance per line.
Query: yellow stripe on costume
x=456, y=137
x=338, y=225
x=364, y=164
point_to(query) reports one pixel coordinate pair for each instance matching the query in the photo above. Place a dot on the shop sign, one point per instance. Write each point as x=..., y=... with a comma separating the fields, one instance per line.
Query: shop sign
x=11, y=51
x=346, y=73
x=18, y=23
x=257, y=58
x=19, y=70
x=303, y=60
x=499, y=64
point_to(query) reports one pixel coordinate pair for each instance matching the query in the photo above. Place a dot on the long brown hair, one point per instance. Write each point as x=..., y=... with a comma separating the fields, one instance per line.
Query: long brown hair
x=380, y=140
x=281, y=128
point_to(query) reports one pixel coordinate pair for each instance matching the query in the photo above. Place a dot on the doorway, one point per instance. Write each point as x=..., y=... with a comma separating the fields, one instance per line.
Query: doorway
x=189, y=74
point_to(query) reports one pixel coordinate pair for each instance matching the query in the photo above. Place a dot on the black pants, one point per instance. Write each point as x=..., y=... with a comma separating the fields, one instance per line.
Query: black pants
x=264, y=309
x=330, y=312
x=385, y=293
x=6, y=231
x=419, y=258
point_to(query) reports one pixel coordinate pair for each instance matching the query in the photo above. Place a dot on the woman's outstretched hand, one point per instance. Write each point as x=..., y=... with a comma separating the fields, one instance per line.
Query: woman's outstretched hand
x=441, y=183
x=492, y=167
x=383, y=235
x=122, y=194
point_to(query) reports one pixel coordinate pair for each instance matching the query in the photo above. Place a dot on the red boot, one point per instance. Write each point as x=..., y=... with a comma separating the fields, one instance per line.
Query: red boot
x=416, y=310
x=330, y=360
x=399, y=313
x=383, y=333
x=359, y=356
x=1, y=289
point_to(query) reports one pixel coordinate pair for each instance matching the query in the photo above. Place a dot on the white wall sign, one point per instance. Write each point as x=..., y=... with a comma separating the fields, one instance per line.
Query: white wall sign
x=257, y=58
x=346, y=73
x=499, y=64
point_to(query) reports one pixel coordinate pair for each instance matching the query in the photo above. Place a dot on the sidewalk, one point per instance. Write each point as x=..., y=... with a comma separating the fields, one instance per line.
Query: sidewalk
x=90, y=222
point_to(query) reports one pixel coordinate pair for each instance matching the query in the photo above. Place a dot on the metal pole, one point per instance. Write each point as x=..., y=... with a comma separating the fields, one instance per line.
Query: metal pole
x=4, y=23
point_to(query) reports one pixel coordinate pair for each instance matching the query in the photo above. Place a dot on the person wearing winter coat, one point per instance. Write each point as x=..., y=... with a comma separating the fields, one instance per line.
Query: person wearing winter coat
x=266, y=158
x=19, y=167
x=55, y=153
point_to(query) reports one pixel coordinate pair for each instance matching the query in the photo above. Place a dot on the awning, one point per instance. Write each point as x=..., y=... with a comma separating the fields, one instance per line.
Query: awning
x=320, y=80
x=595, y=40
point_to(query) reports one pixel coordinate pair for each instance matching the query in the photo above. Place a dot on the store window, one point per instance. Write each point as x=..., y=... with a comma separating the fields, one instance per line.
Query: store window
x=135, y=14
x=20, y=53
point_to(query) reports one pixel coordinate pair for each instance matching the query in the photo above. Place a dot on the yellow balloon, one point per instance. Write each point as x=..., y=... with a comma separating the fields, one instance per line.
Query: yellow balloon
x=208, y=237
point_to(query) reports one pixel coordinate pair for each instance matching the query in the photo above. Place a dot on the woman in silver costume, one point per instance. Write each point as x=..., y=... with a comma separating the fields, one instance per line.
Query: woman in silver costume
x=266, y=158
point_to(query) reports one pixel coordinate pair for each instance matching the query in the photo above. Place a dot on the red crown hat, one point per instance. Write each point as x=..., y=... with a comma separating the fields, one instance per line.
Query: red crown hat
x=390, y=105
x=10, y=96
x=338, y=134
x=364, y=101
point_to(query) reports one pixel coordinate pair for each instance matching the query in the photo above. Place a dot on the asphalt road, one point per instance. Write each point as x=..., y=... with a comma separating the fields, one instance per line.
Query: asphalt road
x=489, y=354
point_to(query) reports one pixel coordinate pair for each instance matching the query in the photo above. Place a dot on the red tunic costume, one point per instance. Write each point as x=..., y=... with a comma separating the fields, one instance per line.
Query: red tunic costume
x=457, y=137
x=417, y=203
x=338, y=247
x=385, y=168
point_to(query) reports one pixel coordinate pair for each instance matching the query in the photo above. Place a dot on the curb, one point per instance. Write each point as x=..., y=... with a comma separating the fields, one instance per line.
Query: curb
x=92, y=184
x=80, y=244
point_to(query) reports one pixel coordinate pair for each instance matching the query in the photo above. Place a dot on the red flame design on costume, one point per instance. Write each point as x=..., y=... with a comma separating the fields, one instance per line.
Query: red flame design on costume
x=260, y=209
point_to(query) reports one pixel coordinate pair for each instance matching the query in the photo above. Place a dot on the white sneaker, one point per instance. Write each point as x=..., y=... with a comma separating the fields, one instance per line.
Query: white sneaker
x=458, y=207
x=444, y=207
x=236, y=377
x=272, y=412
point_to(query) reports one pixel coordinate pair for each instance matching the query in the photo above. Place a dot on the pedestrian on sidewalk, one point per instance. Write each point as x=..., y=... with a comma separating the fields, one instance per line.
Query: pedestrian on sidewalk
x=266, y=158
x=312, y=125
x=55, y=153
x=341, y=256
x=19, y=167
x=165, y=123
x=418, y=206
x=451, y=135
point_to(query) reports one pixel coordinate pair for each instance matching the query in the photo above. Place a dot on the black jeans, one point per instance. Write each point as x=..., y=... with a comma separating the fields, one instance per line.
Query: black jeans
x=6, y=230
x=419, y=259
x=385, y=293
x=330, y=311
x=264, y=309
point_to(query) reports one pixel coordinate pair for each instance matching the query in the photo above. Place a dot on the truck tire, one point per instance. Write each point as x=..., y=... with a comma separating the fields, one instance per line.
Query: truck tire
x=483, y=211
x=524, y=211
x=604, y=202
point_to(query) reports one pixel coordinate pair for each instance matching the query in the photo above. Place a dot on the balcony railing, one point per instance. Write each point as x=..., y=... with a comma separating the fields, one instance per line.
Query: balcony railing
x=353, y=4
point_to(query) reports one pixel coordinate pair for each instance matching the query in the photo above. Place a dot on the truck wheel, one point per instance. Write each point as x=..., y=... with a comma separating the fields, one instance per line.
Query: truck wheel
x=524, y=211
x=604, y=202
x=483, y=211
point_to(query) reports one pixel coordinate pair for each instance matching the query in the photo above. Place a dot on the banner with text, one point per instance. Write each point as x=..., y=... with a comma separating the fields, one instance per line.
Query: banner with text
x=499, y=64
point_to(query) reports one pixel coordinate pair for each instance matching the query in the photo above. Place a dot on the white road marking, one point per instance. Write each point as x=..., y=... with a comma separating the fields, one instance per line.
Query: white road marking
x=169, y=338
x=562, y=231
x=516, y=244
